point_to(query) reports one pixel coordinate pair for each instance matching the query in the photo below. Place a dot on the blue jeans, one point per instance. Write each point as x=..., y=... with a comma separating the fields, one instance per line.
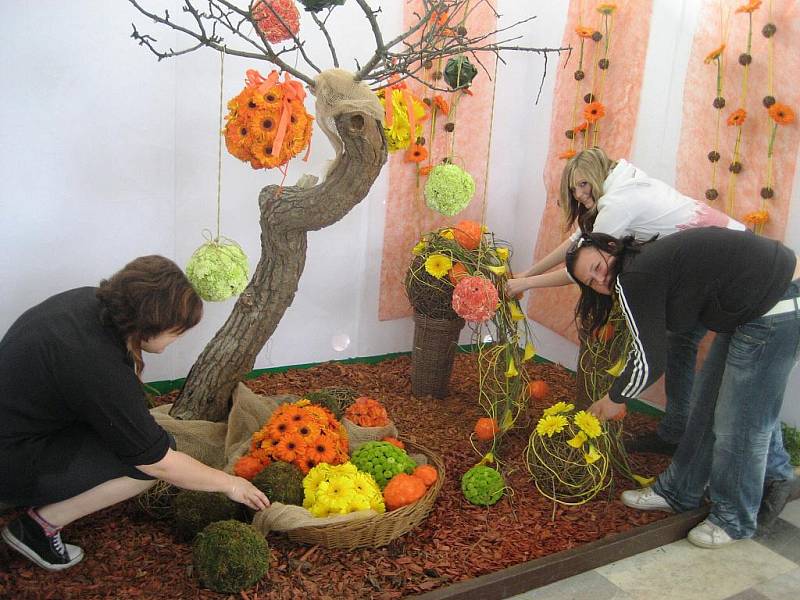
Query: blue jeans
x=736, y=403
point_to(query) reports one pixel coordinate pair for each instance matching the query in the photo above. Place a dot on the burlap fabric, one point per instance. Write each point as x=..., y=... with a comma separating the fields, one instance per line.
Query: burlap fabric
x=221, y=444
x=358, y=436
x=337, y=92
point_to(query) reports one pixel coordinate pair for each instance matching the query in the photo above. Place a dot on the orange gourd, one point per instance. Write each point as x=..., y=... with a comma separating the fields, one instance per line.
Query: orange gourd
x=402, y=490
x=485, y=428
x=394, y=442
x=468, y=234
x=427, y=473
x=538, y=389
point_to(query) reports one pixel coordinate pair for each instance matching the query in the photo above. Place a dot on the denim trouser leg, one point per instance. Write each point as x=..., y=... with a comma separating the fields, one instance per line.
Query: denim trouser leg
x=729, y=433
x=679, y=379
x=779, y=466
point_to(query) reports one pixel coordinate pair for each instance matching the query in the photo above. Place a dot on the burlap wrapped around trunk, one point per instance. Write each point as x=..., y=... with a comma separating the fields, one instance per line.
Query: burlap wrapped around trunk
x=220, y=445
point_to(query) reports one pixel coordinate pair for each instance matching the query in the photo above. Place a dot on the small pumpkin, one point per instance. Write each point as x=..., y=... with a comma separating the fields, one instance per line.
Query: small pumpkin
x=394, y=442
x=457, y=271
x=427, y=473
x=485, y=428
x=538, y=389
x=402, y=490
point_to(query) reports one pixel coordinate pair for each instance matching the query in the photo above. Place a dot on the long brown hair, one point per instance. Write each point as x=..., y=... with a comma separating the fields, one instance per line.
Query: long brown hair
x=148, y=296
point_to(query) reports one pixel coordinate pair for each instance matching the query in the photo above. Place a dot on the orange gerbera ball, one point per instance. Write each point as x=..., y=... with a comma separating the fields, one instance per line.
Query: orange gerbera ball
x=468, y=234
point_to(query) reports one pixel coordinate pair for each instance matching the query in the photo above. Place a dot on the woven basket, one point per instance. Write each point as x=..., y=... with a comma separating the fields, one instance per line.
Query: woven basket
x=435, y=342
x=378, y=530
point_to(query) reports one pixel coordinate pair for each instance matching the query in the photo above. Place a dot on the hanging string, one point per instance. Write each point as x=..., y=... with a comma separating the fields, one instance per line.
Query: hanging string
x=219, y=146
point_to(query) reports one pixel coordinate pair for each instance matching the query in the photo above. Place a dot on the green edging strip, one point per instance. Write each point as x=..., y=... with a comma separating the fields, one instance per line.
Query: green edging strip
x=168, y=385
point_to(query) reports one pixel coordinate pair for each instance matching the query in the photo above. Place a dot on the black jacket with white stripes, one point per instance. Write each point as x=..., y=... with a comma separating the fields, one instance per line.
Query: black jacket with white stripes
x=718, y=277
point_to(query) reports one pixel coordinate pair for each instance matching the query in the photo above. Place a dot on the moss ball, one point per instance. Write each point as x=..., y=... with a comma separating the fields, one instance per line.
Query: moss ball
x=218, y=270
x=195, y=510
x=281, y=482
x=230, y=556
x=482, y=485
x=326, y=400
x=344, y=395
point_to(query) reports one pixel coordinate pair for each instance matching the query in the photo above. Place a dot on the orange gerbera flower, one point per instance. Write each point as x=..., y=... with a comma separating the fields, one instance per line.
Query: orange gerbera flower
x=321, y=450
x=737, y=117
x=714, y=54
x=594, y=111
x=277, y=428
x=441, y=104
x=781, y=114
x=757, y=217
x=289, y=447
x=425, y=171
x=308, y=431
x=751, y=6
x=584, y=32
x=582, y=127
x=567, y=154
x=416, y=153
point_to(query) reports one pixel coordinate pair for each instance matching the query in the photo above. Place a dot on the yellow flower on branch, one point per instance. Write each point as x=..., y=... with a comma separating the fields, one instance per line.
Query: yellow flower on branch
x=588, y=423
x=644, y=481
x=558, y=408
x=578, y=441
x=515, y=312
x=507, y=421
x=529, y=353
x=438, y=265
x=502, y=253
x=714, y=54
x=501, y=270
x=618, y=367
x=512, y=369
x=551, y=424
x=419, y=248
x=447, y=234
x=593, y=456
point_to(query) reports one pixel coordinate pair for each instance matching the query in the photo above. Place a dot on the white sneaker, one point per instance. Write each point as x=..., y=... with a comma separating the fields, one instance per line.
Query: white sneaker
x=708, y=535
x=645, y=499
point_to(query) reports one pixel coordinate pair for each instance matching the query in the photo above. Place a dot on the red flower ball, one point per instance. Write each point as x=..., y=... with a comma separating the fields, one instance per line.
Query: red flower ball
x=475, y=299
x=269, y=24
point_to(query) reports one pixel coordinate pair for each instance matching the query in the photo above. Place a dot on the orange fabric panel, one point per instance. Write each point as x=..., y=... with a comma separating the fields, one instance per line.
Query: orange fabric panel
x=554, y=307
x=700, y=117
x=407, y=216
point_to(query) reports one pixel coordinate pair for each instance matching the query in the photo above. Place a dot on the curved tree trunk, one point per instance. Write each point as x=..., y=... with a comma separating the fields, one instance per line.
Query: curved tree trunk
x=286, y=215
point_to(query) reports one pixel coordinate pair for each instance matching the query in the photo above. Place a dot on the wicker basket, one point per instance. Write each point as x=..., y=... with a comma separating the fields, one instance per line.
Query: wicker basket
x=378, y=530
x=435, y=342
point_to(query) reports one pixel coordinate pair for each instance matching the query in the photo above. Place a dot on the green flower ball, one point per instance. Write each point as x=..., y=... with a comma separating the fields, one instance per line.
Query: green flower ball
x=318, y=5
x=230, y=556
x=383, y=461
x=218, y=270
x=459, y=72
x=449, y=189
x=482, y=485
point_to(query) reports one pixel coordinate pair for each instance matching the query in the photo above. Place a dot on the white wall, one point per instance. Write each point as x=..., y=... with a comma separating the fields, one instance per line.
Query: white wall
x=108, y=154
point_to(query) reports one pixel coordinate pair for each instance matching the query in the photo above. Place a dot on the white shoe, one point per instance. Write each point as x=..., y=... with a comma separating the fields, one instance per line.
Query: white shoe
x=708, y=535
x=645, y=499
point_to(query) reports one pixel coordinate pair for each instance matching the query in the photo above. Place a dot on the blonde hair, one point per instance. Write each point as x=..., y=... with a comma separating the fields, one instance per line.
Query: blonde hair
x=593, y=166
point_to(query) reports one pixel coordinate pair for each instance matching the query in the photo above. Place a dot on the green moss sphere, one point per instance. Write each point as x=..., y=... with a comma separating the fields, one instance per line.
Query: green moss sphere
x=383, y=461
x=281, y=482
x=195, y=510
x=482, y=485
x=218, y=270
x=230, y=556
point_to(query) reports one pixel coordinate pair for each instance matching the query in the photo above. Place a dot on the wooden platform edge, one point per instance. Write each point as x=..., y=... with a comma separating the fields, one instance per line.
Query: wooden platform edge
x=548, y=569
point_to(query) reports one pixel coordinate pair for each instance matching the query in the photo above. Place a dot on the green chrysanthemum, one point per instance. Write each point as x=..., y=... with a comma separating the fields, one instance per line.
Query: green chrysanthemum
x=449, y=189
x=218, y=270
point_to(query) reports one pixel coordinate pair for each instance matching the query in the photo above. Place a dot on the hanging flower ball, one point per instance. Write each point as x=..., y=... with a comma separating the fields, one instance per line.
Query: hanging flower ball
x=218, y=270
x=267, y=123
x=475, y=299
x=318, y=5
x=459, y=72
x=270, y=25
x=398, y=123
x=449, y=189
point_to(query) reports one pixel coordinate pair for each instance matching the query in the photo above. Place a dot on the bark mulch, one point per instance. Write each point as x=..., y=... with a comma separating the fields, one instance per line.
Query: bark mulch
x=128, y=555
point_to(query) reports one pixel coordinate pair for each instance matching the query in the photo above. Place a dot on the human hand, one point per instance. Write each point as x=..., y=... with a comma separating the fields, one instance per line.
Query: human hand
x=516, y=287
x=246, y=493
x=606, y=409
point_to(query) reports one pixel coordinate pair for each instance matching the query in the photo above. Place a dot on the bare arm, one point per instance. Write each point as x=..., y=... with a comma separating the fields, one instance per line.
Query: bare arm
x=518, y=285
x=185, y=472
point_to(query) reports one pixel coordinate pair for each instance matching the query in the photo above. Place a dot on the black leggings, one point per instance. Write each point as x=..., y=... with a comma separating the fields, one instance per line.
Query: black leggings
x=75, y=460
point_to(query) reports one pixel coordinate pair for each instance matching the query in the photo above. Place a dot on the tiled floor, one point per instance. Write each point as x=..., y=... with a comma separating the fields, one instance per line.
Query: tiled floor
x=765, y=568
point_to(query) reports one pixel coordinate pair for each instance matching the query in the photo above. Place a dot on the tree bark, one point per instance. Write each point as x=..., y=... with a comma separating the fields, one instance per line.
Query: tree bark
x=287, y=214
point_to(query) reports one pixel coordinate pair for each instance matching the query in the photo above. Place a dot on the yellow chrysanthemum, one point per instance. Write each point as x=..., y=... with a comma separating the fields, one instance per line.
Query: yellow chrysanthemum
x=419, y=248
x=593, y=456
x=588, y=423
x=336, y=492
x=398, y=136
x=502, y=253
x=558, y=408
x=438, y=265
x=578, y=441
x=551, y=424
x=530, y=352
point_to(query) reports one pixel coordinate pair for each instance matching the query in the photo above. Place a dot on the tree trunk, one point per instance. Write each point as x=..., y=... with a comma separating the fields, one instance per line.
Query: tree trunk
x=286, y=215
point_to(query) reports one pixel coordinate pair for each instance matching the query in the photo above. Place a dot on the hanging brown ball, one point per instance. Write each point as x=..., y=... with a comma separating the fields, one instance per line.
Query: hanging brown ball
x=579, y=75
x=588, y=98
x=768, y=101
x=735, y=167
x=767, y=193
x=570, y=134
x=745, y=59
x=462, y=31
x=719, y=102
x=603, y=63
x=449, y=126
x=769, y=30
x=713, y=156
x=597, y=36
x=711, y=194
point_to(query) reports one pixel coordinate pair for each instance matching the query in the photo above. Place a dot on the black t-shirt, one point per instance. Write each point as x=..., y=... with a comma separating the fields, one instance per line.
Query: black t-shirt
x=718, y=277
x=61, y=367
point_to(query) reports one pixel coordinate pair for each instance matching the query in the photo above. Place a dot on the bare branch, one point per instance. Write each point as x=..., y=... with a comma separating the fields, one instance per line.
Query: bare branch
x=380, y=47
x=321, y=25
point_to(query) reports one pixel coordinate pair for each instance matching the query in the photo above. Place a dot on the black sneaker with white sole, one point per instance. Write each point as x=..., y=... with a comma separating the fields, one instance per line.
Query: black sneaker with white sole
x=26, y=536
